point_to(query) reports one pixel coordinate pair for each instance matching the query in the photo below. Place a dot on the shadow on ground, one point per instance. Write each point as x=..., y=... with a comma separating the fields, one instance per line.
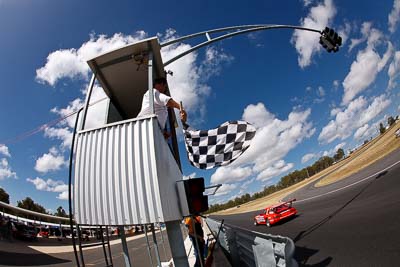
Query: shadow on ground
x=303, y=254
x=20, y=259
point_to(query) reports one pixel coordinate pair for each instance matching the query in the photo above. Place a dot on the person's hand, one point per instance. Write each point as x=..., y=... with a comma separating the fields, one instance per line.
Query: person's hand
x=183, y=115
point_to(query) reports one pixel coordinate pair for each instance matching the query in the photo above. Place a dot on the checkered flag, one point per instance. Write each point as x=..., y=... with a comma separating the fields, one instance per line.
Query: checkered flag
x=219, y=146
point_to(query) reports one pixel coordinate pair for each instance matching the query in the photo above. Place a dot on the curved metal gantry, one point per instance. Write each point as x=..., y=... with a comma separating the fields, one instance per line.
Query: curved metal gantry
x=236, y=31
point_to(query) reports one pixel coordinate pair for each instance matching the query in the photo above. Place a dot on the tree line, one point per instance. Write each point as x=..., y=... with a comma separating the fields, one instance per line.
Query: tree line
x=390, y=122
x=28, y=204
x=285, y=181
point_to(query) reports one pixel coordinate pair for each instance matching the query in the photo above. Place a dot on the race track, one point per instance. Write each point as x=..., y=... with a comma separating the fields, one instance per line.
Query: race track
x=354, y=222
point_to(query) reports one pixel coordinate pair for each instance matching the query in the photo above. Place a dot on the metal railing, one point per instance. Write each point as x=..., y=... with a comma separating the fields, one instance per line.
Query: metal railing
x=249, y=248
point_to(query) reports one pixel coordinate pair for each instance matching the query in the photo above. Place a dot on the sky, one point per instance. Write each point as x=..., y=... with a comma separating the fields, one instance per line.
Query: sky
x=304, y=102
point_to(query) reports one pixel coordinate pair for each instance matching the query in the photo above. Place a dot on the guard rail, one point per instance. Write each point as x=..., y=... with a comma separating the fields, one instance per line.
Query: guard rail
x=249, y=248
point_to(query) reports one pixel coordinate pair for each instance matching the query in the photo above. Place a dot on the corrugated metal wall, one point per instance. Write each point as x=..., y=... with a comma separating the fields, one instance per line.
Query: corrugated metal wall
x=117, y=181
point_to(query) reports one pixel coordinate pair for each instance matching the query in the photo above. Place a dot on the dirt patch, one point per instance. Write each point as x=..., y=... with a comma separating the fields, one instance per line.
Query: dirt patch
x=359, y=159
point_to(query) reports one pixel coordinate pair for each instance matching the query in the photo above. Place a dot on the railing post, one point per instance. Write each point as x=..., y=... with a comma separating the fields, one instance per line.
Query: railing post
x=230, y=236
x=124, y=246
x=176, y=243
x=155, y=244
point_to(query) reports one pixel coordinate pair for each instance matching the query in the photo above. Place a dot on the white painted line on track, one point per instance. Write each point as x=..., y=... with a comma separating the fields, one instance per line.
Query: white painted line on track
x=360, y=181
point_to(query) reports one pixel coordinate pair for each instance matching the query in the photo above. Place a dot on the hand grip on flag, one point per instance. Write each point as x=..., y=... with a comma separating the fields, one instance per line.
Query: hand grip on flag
x=182, y=113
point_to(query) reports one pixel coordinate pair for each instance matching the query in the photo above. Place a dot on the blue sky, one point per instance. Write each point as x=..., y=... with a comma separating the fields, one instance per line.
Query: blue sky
x=305, y=102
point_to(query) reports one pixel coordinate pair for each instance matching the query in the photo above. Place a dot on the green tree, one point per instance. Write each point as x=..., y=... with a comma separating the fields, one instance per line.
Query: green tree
x=391, y=121
x=60, y=212
x=29, y=204
x=4, y=197
x=382, y=128
x=339, y=154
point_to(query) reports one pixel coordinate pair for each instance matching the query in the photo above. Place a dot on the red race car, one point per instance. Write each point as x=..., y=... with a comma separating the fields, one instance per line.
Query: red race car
x=275, y=213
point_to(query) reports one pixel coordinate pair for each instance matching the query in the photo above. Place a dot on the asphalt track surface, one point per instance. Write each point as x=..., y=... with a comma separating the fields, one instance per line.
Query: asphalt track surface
x=353, y=222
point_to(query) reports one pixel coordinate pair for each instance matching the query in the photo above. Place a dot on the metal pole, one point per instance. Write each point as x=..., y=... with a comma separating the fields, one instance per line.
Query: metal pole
x=155, y=244
x=124, y=246
x=89, y=94
x=104, y=247
x=148, y=244
x=71, y=222
x=108, y=245
x=197, y=242
x=176, y=243
x=150, y=82
x=240, y=30
x=163, y=241
x=78, y=231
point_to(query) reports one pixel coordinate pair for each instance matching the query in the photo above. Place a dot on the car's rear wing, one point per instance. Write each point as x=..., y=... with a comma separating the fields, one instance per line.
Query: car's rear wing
x=283, y=203
x=290, y=201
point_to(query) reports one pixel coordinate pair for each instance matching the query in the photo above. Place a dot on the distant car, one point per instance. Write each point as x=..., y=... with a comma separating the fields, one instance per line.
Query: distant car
x=44, y=232
x=275, y=213
x=23, y=231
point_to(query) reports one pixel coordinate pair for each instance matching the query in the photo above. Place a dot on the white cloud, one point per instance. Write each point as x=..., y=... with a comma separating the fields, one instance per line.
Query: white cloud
x=357, y=113
x=51, y=161
x=96, y=115
x=344, y=32
x=4, y=150
x=71, y=63
x=308, y=157
x=321, y=95
x=276, y=169
x=225, y=189
x=332, y=151
x=50, y=185
x=320, y=91
x=394, y=16
x=230, y=174
x=96, y=111
x=365, y=30
x=247, y=183
x=63, y=195
x=60, y=133
x=364, y=69
x=365, y=131
x=244, y=186
x=307, y=2
x=5, y=170
x=212, y=64
x=186, y=84
x=394, y=70
x=274, y=137
x=306, y=42
x=362, y=73
x=336, y=84
x=258, y=115
x=335, y=111
x=73, y=106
